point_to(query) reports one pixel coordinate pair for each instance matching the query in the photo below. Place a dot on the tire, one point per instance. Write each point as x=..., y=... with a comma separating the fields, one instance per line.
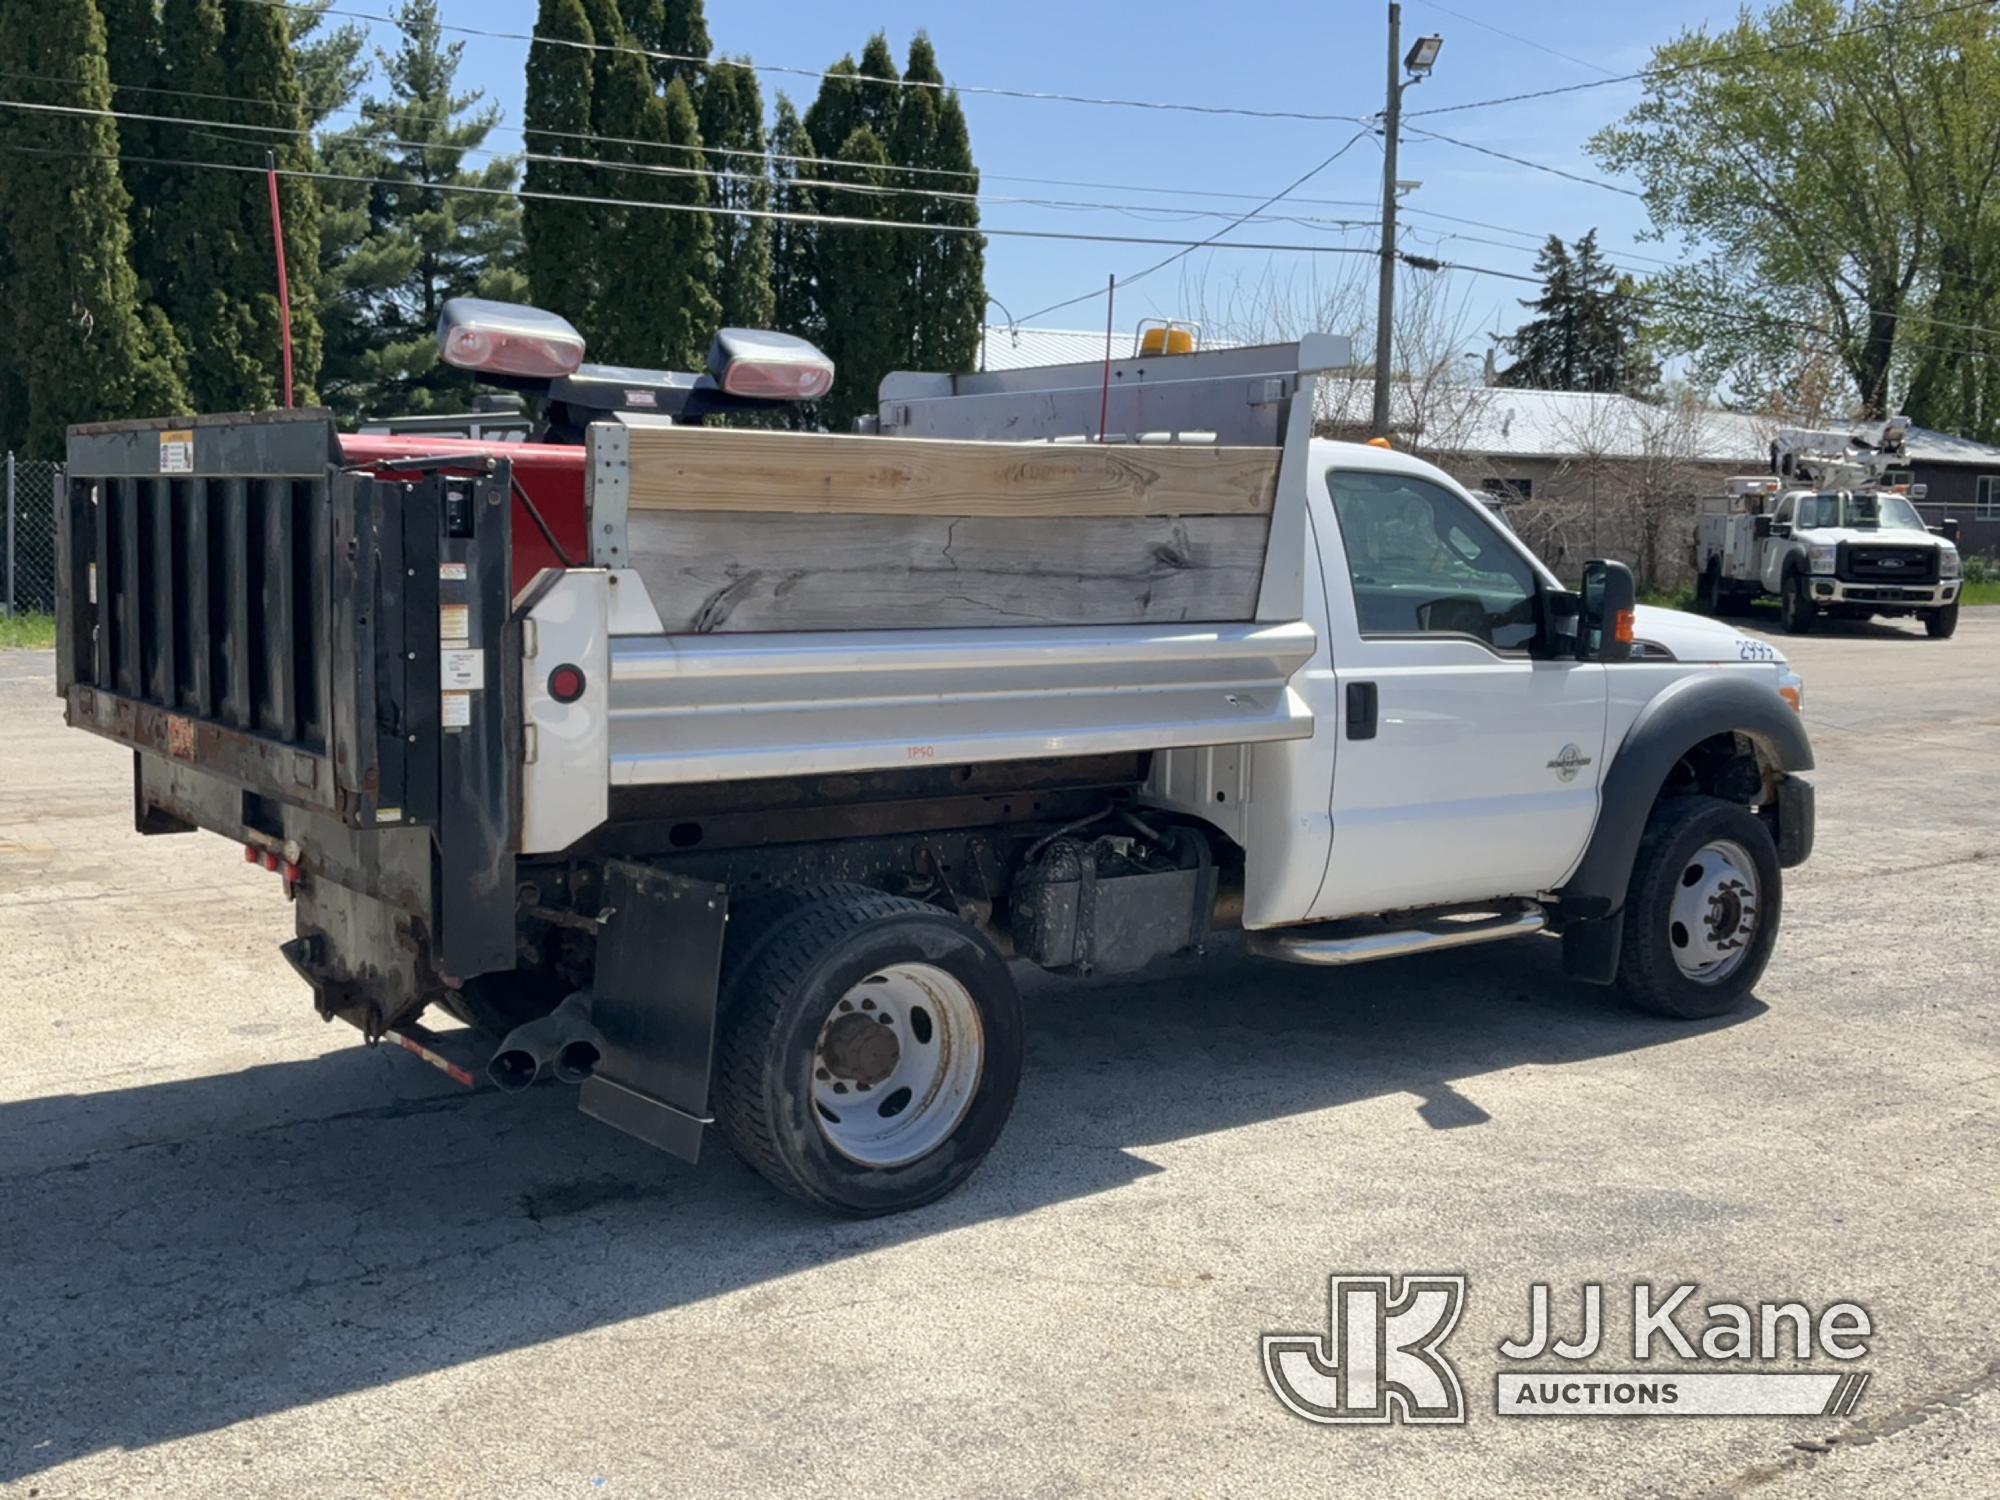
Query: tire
x=1795, y=606
x=1940, y=623
x=1697, y=854
x=1708, y=589
x=793, y=980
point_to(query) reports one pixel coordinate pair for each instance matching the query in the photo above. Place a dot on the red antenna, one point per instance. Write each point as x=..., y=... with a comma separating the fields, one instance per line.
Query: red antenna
x=284, y=285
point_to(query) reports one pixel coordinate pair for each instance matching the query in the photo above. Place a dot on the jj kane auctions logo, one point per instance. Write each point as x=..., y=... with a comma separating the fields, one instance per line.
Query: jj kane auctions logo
x=1382, y=1359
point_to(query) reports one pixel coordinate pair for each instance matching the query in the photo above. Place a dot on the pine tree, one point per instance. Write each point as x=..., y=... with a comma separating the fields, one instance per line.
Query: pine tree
x=677, y=27
x=678, y=278
x=132, y=48
x=560, y=236
x=74, y=344
x=732, y=121
x=1586, y=333
x=794, y=245
x=944, y=282
x=858, y=268
x=397, y=250
x=207, y=253
x=331, y=67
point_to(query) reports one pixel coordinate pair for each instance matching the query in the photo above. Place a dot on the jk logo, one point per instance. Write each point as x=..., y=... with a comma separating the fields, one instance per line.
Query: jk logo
x=1379, y=1361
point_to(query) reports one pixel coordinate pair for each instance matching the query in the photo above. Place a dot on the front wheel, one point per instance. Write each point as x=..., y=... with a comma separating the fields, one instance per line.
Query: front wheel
x=1940, y=623
x=1795, y=606
x=1702, y=910
x=870, y=1051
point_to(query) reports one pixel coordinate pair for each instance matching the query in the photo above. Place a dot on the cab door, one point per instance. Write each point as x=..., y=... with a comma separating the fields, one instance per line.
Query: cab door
x=1466, y=769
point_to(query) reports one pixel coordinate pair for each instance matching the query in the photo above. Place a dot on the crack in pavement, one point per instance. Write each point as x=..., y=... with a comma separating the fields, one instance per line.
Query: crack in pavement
x=1858, y=1433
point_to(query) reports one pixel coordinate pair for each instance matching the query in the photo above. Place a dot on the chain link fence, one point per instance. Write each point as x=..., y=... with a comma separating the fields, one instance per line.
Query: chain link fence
x=28, y=586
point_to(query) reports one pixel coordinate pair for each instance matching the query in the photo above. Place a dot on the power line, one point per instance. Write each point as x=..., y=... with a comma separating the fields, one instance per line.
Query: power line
x=1299, y=181
x=368, y=115
x=1522, y=161
x=1459, y=15
x=1705, y=305
x=836, y=221
x=1136, y=210
x=1722, y=60
x=1038, y=95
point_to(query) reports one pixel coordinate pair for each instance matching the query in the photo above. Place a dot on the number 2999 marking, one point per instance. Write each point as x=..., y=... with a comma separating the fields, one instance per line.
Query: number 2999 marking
x=1755, y=651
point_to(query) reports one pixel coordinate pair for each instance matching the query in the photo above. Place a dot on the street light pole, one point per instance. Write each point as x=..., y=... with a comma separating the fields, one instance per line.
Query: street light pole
x=1385, y=300
x=1422, y=57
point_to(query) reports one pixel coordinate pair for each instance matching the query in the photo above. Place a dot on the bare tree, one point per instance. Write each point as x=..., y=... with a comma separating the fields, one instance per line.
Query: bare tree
x=1635, y=471
x=1437, y=403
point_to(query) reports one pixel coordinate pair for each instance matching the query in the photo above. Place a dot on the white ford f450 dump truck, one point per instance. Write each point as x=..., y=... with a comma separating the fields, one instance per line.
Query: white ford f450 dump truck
x=1824, y=536
x=722, y=770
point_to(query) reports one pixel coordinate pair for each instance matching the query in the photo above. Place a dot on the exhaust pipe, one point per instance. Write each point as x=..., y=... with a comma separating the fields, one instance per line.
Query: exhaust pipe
x=564, y=1038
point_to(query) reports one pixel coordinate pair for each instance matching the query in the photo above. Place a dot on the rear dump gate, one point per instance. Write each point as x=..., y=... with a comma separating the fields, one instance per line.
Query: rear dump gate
x=272, y=629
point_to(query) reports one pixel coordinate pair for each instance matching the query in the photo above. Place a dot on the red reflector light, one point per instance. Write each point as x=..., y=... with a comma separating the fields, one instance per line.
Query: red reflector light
x=270, y=860
x=250, y=854
x=566, y=683
x=786, y=380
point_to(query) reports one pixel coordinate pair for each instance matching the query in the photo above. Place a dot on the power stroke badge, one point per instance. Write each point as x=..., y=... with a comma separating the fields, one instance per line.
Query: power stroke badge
x=1382, y=1357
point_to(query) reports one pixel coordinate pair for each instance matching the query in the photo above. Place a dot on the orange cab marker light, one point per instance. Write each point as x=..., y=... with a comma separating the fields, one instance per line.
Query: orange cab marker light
x=1380, y=443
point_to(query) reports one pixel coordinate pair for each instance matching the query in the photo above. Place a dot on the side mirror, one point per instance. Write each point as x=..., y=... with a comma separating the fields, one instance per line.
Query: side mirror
x=1562, y=619
x=1608, y=601
x=1761, y=526
x=1947, y=528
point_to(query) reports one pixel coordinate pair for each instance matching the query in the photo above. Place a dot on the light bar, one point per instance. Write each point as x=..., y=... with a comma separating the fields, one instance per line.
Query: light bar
x=507, y=338
x=763, y=366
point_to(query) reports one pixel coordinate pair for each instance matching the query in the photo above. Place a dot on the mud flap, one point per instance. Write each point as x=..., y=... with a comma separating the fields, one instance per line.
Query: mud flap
x=659, y=956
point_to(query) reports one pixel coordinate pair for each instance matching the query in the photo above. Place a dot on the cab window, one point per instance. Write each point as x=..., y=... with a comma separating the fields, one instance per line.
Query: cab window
x=1782, y=516
x=1425, y=562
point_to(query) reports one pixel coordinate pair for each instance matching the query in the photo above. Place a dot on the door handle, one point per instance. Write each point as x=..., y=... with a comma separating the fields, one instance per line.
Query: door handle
x=1361, y=710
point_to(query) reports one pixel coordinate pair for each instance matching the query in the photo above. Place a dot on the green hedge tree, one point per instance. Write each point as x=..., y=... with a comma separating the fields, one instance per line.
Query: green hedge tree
x=433, y=225
x=75, y=344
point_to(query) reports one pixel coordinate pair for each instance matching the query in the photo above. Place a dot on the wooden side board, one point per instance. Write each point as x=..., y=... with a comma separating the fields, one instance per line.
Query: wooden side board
x=707, y=571
x=723, y=469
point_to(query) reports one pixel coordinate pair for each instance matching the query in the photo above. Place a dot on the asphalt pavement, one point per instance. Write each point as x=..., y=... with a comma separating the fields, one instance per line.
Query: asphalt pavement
x=242, y=1254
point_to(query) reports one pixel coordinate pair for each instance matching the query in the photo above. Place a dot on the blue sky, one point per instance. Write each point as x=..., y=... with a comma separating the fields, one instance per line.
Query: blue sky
x=1324, y=58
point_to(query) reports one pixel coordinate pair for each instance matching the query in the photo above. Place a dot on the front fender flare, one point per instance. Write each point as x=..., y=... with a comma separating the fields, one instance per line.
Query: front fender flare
x=1685, y=713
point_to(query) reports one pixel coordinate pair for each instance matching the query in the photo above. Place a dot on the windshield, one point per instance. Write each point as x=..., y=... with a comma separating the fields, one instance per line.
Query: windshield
x=1864, y=511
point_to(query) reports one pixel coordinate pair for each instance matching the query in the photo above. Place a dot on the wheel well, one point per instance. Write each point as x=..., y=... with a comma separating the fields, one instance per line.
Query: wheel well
x=1726, y=765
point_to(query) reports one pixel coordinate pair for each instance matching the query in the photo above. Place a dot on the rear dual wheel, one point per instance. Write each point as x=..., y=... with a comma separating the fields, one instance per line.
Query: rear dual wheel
x=871, y=1047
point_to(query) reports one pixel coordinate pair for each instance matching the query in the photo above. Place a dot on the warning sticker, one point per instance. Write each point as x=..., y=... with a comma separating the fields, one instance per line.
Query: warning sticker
x=177, y=452
x=452, y=572
x=462, y=671
x=455, y=622
x=456, y=710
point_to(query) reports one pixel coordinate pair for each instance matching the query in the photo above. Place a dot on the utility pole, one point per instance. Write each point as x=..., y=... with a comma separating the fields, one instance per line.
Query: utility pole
x=1385, y=299
x=1422, y=58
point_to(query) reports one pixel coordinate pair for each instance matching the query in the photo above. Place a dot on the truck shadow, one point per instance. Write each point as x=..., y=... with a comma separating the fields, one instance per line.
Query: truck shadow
x=347, y=1233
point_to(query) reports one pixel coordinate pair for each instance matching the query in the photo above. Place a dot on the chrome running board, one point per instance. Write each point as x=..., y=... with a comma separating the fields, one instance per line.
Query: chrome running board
x=1361, y=942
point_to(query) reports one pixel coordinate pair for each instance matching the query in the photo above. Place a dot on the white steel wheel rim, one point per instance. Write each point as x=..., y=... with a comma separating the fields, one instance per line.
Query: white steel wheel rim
x=1712, y=919
x=896, y=1065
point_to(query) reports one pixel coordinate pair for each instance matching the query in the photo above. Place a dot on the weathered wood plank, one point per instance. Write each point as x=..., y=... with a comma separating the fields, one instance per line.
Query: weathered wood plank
x=711, y=572
x=723, y=469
